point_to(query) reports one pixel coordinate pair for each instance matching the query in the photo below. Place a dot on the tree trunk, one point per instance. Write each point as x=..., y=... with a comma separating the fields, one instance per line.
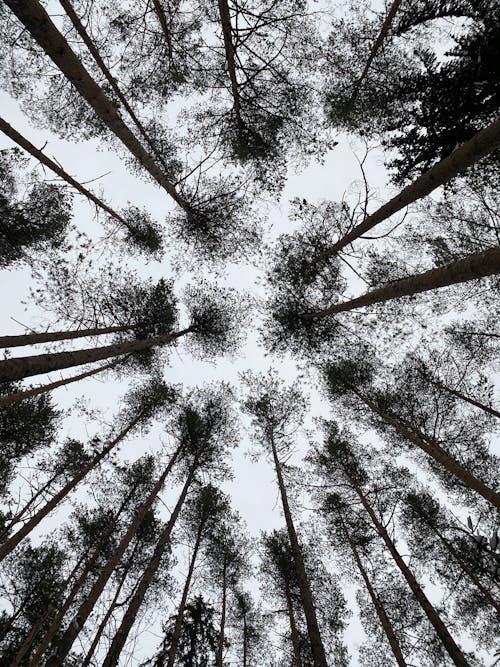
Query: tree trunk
x=293, y=627
x=461, y=396
x=485, y=141
x=67, y=640
x=38, y=23
x=220, y=643
x=30, y=638
x=13, y=134
x=245, y=639
x=436, y=452
x=22, y=367
x=51, y=336
x=182, y=606
x=379, y=607
x=45, y=388
x=317, y=648
x=121, y=635
x=386, y=26
x=225, y=20
x=472, y=267
x=13, y=541
x=162, y=20
x=441, y=630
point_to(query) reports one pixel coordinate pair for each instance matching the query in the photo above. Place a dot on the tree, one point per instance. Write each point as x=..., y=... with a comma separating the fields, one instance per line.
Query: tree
x=276, y=412
x=249, y=622
x=32, y=224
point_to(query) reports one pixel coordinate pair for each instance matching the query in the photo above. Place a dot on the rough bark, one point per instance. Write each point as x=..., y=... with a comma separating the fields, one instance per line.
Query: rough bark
x=384, y=31
x=120, y=638
x=18, y=138
x=38, y=23
x=379, y=607
x=52, y=336
x=441, y=630
x=14, y=540
x=483, y=142
x=293, y=627
x=85, y=609
x=220, y=643
x=435, y=451
x=182, y=606
x=45, y=388
x=478, y=265
x=22, y=367
x=317, y=647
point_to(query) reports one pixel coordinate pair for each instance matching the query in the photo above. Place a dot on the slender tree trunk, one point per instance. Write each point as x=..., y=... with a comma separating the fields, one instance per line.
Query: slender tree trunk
x=45, y=388
x=384, y=31
x=113, y=605
x=22, y=367
x=67, y=640
x=51, y=336
x=182, y=606
x=434, y=451
x=441, y=630
x=14, y=540
x=379, y=607
x=484, y=142
x=121, y=635
x=18, y=138
x=38, y=23
x=21, y=513
x=162, y=20
x=245, y=639
x=472, y=267
x=30, y=638
x=220, y=643
x=460, y=395
x=317, y=648
x=225, y=20
x=79, y=582
x=293, y=626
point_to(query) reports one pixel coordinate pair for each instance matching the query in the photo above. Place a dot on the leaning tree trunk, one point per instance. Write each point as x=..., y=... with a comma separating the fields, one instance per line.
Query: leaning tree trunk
x=293, y=626
x=38, y=23
x=317, y=648
x=162, y=20
x=14, y=540
x=18, y=138
x=220, y=643
x=472, y=267
x=128, y=620
x=485, y=141
x=384, y=31
x=379, y=607
x=85, y=609
x=182, y=606
x=434, y=451
x=45, y=388
x=30, y=638
x=22, y=367
x=460, y=395
x=52, y=336
x=441, y=630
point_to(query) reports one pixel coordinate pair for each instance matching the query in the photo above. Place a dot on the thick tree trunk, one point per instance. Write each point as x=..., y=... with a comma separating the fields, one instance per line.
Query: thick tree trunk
x=121, y=635
x=220, y=643
x=435, y=451
x=22, y=367
x=45, y=388
x=317, y=648
x=485, y=141
x=67, y=640
x=225, y=20
x=13, y=134
x=293, y=627
x=384, y=31
x=51, y=336
x=38, y=23
x=478, y=265
x=379, y=607
x=182, y=606
x=441, y=630
x=14, y=540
